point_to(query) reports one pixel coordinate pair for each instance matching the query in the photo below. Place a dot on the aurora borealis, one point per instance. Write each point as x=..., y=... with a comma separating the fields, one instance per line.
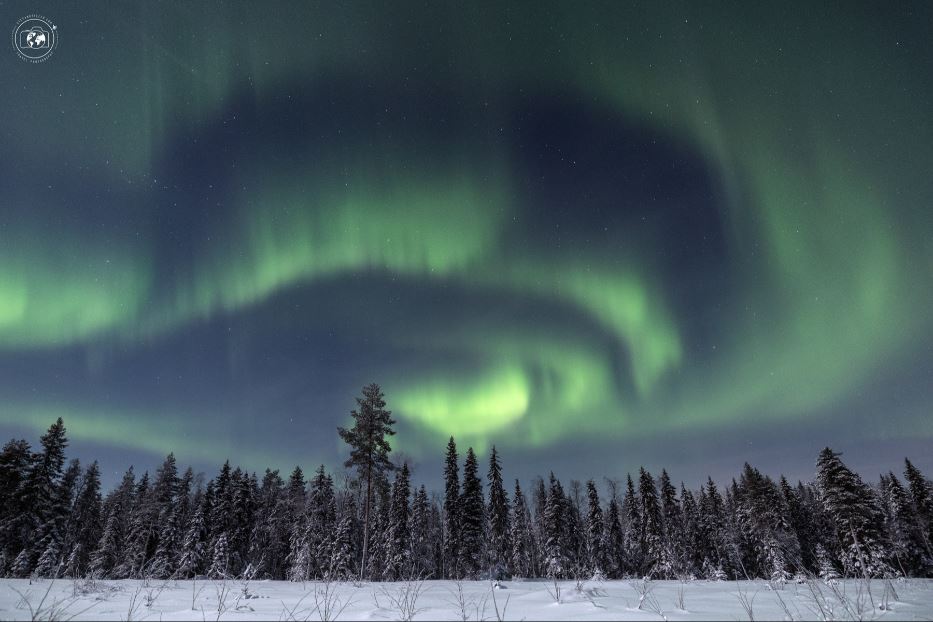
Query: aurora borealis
x=597, y=235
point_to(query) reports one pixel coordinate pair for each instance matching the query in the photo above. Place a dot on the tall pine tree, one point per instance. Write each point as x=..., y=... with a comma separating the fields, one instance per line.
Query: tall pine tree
x=369, y=449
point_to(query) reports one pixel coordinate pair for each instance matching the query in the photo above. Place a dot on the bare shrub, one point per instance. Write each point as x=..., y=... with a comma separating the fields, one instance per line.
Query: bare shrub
x=554, y=590
x=328, y=603
x=465, y=607
x=404, y=598
x=46, y=609
x=500, y=615
x=747, y=602
x=679, y=596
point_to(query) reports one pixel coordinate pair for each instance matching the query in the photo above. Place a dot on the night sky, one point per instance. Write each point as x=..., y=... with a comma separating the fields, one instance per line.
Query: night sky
x=594, y=235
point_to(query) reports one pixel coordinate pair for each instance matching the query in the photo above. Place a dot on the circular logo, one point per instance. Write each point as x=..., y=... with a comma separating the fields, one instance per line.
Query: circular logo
x=35, y=38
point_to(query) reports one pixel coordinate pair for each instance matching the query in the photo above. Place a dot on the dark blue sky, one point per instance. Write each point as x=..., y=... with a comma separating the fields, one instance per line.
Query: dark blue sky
x=597, y=236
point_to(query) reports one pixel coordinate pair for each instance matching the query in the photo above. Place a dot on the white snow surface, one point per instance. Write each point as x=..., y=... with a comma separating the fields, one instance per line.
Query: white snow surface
x=66, y=599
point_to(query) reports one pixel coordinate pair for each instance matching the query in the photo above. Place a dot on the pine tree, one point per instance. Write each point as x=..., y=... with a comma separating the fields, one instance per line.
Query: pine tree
x=858, y=519
x=595, y=551
x=555, y=559
x=521, y=536
x=369, y=453
x=500, y=546
x=451, y=512
x=472, y=519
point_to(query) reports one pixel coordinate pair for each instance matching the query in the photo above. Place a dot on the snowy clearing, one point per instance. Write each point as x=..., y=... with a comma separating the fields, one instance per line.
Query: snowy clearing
x=64, y=599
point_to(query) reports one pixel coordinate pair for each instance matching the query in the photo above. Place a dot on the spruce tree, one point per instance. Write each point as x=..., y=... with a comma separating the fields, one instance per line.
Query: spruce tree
x=521, y=536
x=858, y=519
x=451, y=512
x=139, y=534
x=295, y=522
x=193, y=556
x=539, y=494
x=52, y=535
x=499, y=545
x=472, y=519
x=420, y=535
x=39, y=495
x=634, y=559
x=691, y=558
x=266, y=551
x=908, y=551
x=340, y=565
x=108, y=553
x=320, y=520
x=221, y=510
x=672, y=527
x=800, y=523
x=369, y=448
x=169, y=506
x=16, y=463
x=826, y=567
x=715, y=564
x=651, y=535
x=398, y=554
x=87, y=523
x=921, y=495
x=614, y=541
x=555, y=559
x=595, y=551
x=574, y=538
x=382, y=515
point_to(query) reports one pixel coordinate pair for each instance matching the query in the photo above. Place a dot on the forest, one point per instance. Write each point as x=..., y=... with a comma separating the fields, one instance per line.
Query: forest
x=370, y=523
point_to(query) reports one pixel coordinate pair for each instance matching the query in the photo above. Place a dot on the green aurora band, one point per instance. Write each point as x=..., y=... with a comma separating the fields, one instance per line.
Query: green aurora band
x=826, y=210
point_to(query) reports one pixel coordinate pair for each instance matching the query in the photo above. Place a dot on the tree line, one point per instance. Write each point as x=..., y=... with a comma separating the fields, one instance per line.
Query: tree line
x=55, y=521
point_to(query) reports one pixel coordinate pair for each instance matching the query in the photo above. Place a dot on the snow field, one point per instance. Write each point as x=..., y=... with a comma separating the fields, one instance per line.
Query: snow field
x=66, y=599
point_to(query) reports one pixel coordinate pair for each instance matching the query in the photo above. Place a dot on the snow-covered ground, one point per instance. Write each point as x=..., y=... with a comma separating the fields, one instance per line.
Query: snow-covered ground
x=470, y=600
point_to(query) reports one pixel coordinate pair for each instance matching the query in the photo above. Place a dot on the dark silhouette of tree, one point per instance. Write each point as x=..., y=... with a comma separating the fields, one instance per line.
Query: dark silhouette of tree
x=369, y=448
